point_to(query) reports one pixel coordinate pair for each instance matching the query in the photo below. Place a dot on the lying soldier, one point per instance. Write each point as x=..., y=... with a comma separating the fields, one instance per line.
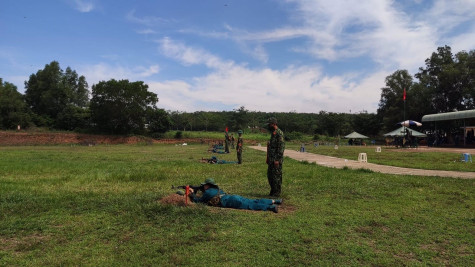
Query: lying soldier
x=214, y=196
x=215, y=160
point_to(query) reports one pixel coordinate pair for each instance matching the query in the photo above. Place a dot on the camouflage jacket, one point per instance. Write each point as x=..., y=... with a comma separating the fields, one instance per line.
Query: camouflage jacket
x=276, y=146
x=239, y=144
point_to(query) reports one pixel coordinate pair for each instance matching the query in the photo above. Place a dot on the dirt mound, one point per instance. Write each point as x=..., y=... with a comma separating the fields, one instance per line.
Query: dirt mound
x=175, y=199
x=11, y=138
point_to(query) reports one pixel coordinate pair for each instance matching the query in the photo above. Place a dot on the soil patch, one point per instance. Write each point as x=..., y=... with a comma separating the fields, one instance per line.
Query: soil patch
x=176, y=200
x=11, y=138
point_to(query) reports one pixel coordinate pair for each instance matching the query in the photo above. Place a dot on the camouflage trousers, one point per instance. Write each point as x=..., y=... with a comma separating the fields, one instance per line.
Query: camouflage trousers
x=274, y=176
x=239, y=156
x=226, y=146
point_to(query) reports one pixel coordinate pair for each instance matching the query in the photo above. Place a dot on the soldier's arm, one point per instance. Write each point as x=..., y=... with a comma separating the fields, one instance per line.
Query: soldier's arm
x=280, y=148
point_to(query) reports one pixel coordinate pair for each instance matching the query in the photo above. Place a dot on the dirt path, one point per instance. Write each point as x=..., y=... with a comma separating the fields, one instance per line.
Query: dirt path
x=353, y=164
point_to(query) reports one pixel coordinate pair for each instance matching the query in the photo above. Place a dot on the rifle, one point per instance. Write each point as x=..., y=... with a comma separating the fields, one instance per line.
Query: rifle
x=187, y=190
x=195, y=188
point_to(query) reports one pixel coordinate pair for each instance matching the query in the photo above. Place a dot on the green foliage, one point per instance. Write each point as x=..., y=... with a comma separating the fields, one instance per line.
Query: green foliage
x=178, y=135
x=73, y=118
x=239, y=118
x=391, y=104
x=293, y=136
x=158, y=121
x=120, y=107
x=13, y=109
x=447, y=79
x=51, y=92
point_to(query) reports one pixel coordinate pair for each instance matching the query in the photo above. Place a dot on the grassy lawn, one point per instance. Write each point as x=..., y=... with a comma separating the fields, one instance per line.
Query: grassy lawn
x=98, y=206
x=394, y=157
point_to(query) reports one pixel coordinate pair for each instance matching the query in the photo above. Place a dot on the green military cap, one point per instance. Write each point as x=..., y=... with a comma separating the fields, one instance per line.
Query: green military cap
x=180, y=192
x=272, y=120
x=239, y=131
x=209, y=181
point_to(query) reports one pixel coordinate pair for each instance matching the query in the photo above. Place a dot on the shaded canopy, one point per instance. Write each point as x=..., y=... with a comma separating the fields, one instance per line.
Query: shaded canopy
x=355, y=135
x=401, y=132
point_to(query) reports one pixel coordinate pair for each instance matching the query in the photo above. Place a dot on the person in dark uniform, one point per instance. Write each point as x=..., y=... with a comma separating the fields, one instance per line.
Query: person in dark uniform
x=239, y=145
x=226, y=141
x=275, y=157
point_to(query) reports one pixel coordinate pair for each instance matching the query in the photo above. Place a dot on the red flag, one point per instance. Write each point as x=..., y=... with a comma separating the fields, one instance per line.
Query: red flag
x=187, y=193
x=404, y=95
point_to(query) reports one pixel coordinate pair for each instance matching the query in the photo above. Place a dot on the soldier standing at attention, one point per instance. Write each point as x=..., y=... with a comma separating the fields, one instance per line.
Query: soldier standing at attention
x=226, y=141
x=232, y=141
x=239, y=147
x=275, y=157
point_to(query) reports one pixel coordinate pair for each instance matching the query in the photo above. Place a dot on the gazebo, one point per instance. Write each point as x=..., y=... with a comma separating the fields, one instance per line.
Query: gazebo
x=400, y=132
x=355, y=135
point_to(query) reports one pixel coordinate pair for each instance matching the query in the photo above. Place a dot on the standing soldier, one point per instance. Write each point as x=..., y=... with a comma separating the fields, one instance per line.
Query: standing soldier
x=226, y=141
x=232, y=141
x=239, y=147
x=275, y=157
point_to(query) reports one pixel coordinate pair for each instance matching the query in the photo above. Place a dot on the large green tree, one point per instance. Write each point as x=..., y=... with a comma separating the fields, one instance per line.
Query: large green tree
x=239, y=119
x=13, y=109
x=449, y=79
x=51, y=93
x=391, y=103
x=121, y=107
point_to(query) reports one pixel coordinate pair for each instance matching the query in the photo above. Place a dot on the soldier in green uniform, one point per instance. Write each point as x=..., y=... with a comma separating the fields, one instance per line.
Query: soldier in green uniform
x=275, y=157
x=226, y=141
x=239, y=147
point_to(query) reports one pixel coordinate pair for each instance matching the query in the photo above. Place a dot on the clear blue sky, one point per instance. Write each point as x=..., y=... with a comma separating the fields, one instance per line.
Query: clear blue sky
x=266, y=55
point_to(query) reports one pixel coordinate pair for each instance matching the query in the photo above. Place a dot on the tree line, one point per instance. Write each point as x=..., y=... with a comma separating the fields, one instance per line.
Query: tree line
x=61, y=100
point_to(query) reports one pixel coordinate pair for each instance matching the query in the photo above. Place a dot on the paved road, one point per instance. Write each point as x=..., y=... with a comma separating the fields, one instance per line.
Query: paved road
x=353, y=164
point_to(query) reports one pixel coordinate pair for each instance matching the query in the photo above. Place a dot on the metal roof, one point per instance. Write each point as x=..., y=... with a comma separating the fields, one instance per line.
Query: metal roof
x=458, y=115
x=402, y=132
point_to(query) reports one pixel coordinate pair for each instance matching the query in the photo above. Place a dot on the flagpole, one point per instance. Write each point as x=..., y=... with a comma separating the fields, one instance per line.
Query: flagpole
x=404, y=98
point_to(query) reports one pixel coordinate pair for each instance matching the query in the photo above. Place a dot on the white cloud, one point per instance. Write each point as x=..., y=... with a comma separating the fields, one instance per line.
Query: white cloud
x=84, y=6
x=148, y=21
x=376, y=29
x=146, y=31
x=104, y=72
x=304, y=88
x=190, y=55
x=173, y=95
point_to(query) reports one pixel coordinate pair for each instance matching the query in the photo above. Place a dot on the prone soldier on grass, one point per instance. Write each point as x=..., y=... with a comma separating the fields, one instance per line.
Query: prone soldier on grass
x=214, y=196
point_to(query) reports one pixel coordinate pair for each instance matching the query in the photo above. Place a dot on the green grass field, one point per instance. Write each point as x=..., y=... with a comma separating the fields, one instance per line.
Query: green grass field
x=98, y=206
x=395, y=157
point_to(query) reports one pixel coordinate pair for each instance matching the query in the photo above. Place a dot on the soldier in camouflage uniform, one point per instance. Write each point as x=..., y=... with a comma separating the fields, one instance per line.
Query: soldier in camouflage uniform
x=275, y=157
x=239, y=147
x=226, y=141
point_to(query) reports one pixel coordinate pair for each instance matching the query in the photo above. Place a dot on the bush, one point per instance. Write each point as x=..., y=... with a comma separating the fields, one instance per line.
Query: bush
x=293, y=136
x=316, y=137
x=179, y=135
